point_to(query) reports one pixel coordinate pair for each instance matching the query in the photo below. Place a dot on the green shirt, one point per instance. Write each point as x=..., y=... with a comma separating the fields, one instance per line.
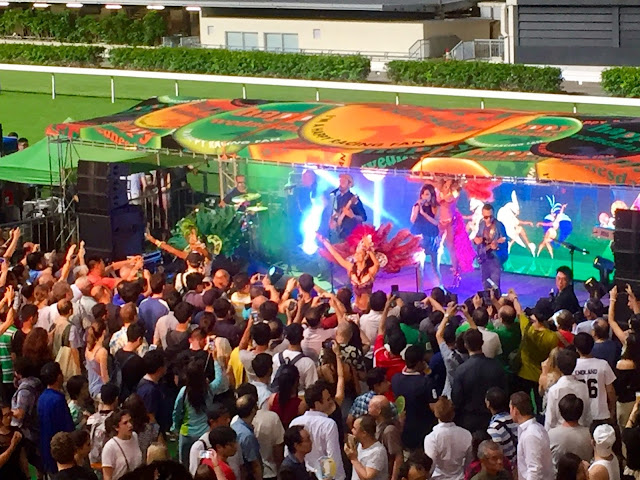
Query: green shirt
x=536, y=347
x=415, y=336
x=465, y=326
x=501, y=475
x=510, y=336
x=6, y=363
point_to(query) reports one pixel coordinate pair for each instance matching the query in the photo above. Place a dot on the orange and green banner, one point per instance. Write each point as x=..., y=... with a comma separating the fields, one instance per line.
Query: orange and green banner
x=420, y=140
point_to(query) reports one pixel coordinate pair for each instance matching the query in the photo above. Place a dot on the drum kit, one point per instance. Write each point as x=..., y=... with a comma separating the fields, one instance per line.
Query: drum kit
x=250, y=217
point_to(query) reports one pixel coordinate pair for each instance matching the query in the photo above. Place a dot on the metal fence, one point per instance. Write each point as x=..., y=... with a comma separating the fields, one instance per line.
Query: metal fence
x=47, y=231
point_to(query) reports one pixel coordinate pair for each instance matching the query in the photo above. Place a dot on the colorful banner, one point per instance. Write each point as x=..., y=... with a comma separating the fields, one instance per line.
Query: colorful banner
x=422, y=140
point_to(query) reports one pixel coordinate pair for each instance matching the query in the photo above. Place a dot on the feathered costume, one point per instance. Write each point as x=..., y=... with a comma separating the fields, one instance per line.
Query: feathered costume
x=392, y=254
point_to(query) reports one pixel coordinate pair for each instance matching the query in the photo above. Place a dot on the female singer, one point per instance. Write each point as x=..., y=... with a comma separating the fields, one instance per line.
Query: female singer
x=362, y=270
x=425, y=223
x=453, y=229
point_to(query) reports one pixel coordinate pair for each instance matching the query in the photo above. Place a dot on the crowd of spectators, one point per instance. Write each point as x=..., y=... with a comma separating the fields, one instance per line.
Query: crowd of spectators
x=111, y=371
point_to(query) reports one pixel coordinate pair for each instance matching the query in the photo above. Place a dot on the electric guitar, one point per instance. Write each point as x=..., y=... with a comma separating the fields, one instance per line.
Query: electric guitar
x=484, y=249
x=339, y=215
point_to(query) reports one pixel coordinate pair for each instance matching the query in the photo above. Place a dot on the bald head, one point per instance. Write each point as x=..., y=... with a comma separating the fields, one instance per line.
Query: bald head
x=377, y=404
x=257, y=302
x=507, y=314
x=84, y=285
x=221, y=279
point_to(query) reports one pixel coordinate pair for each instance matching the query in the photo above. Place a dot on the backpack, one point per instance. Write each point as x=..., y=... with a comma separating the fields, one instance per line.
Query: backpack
x=284, y=361
x=98, y=433
x=116, y=373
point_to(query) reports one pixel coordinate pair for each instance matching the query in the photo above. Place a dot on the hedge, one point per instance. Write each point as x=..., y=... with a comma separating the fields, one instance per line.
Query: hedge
x=68, y=56
x=67, y=26
x=243, y=63
x=621, y=81
x=477, y=75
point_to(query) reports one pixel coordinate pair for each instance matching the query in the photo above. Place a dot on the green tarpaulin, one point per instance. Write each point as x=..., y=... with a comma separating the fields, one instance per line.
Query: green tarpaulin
x=39, y=164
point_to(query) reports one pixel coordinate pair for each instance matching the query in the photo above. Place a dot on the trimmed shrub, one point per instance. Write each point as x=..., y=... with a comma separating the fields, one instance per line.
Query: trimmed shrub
x=67, y=56
x=243, y=63
x=116, y=28
x=621, y=81
x=477, y=75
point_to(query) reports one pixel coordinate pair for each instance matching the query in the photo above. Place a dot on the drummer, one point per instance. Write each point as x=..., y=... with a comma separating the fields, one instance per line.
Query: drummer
x=239, y=189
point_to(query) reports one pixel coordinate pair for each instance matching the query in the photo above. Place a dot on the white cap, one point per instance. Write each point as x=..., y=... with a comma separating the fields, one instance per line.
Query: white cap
x=604, y=437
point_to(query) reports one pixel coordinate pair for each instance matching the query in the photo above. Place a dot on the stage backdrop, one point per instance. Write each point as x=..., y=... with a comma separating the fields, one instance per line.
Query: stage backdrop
x=536, y=168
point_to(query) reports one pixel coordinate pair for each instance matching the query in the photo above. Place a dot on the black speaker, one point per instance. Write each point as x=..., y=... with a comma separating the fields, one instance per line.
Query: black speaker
x=115, y=236
x=626, y=247
x=102, y=186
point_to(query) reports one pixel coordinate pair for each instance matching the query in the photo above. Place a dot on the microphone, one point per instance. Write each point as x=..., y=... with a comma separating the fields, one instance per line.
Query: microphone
x=334, y=191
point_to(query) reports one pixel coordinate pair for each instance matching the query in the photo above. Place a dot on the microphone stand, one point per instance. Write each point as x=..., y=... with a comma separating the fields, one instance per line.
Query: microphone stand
x=572, y=250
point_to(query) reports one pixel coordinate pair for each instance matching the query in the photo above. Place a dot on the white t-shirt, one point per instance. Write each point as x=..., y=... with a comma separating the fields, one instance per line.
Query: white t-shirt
x=269, y=432
x=597, y=374
x=373, y=457
x=306, y=367
x=122, y=455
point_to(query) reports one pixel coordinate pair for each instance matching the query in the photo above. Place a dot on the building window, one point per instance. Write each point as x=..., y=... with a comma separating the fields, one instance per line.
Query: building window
x=241, y=40
x=210, y=30
x=316, y=34
x=281, y=42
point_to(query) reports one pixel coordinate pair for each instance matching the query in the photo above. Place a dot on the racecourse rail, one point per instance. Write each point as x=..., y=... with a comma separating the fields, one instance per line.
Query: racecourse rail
x=397, y=90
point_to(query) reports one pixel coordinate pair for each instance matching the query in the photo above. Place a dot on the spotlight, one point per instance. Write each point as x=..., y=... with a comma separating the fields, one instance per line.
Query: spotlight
x=155, y=7
x=596, y=289
x=275, y=274
x=605, y=267
x=74, y=5
x=113, y=6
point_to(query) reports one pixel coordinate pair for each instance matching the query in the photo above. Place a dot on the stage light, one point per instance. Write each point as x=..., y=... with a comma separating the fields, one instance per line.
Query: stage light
x=155, y=7
x=4, y=4
x=113, y=7
x=596, y=289
x=310, y=225
x=74, y=5
x=605, y=267
x=193, y=9
x=275, y=274
x=41, y=5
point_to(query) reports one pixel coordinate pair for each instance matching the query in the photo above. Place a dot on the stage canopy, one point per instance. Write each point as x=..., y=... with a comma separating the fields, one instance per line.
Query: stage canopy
x=40, y=163
x=506, y=144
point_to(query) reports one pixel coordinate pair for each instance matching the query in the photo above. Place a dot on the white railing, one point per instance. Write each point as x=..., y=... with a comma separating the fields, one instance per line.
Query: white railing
x=397, y=90
x=479, y=49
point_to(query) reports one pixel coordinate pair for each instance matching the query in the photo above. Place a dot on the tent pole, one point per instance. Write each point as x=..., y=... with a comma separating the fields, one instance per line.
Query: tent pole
x=113, y=91
x=53, y=86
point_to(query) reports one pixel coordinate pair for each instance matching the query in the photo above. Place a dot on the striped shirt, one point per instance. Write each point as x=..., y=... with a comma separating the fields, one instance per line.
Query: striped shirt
x=6, y=363
x=504, y=431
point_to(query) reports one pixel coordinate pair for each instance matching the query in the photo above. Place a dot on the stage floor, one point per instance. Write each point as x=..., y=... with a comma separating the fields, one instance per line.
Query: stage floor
x=528, y=288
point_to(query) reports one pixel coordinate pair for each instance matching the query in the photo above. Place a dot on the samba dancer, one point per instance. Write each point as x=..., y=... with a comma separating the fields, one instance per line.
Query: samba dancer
x=425, y=223
x=362, y=269
x=348, y=211
x=453, y=229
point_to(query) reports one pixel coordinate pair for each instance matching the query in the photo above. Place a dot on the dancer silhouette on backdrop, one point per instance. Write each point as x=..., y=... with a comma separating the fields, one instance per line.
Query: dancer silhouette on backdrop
x=425, y=223
x=557, y=226
x=508, y=216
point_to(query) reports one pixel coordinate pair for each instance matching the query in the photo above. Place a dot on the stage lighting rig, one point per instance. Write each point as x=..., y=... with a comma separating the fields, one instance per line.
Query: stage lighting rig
x=275, y=274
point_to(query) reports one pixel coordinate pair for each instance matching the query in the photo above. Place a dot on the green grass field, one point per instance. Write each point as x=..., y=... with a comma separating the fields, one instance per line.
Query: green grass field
x=26, y=105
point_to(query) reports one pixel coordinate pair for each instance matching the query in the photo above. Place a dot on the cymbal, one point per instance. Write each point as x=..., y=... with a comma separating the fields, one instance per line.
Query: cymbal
x=247, y=197
x=257, y=208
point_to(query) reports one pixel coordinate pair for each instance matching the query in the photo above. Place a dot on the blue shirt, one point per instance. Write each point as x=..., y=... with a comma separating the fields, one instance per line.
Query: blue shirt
x=54, y=417
x=151, y=309
x=247, y=441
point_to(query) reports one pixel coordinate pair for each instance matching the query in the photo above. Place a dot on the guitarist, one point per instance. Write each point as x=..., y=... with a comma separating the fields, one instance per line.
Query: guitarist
x=348, y=211
x=491, y=245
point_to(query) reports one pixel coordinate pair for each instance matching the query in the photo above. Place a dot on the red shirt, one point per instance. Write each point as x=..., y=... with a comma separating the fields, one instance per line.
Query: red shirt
x=385, y=359
x=226, y=469
x=568, y=336
x=108, y=282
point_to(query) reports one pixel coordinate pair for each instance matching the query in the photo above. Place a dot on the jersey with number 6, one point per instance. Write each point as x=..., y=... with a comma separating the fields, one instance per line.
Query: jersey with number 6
x=596, y=374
